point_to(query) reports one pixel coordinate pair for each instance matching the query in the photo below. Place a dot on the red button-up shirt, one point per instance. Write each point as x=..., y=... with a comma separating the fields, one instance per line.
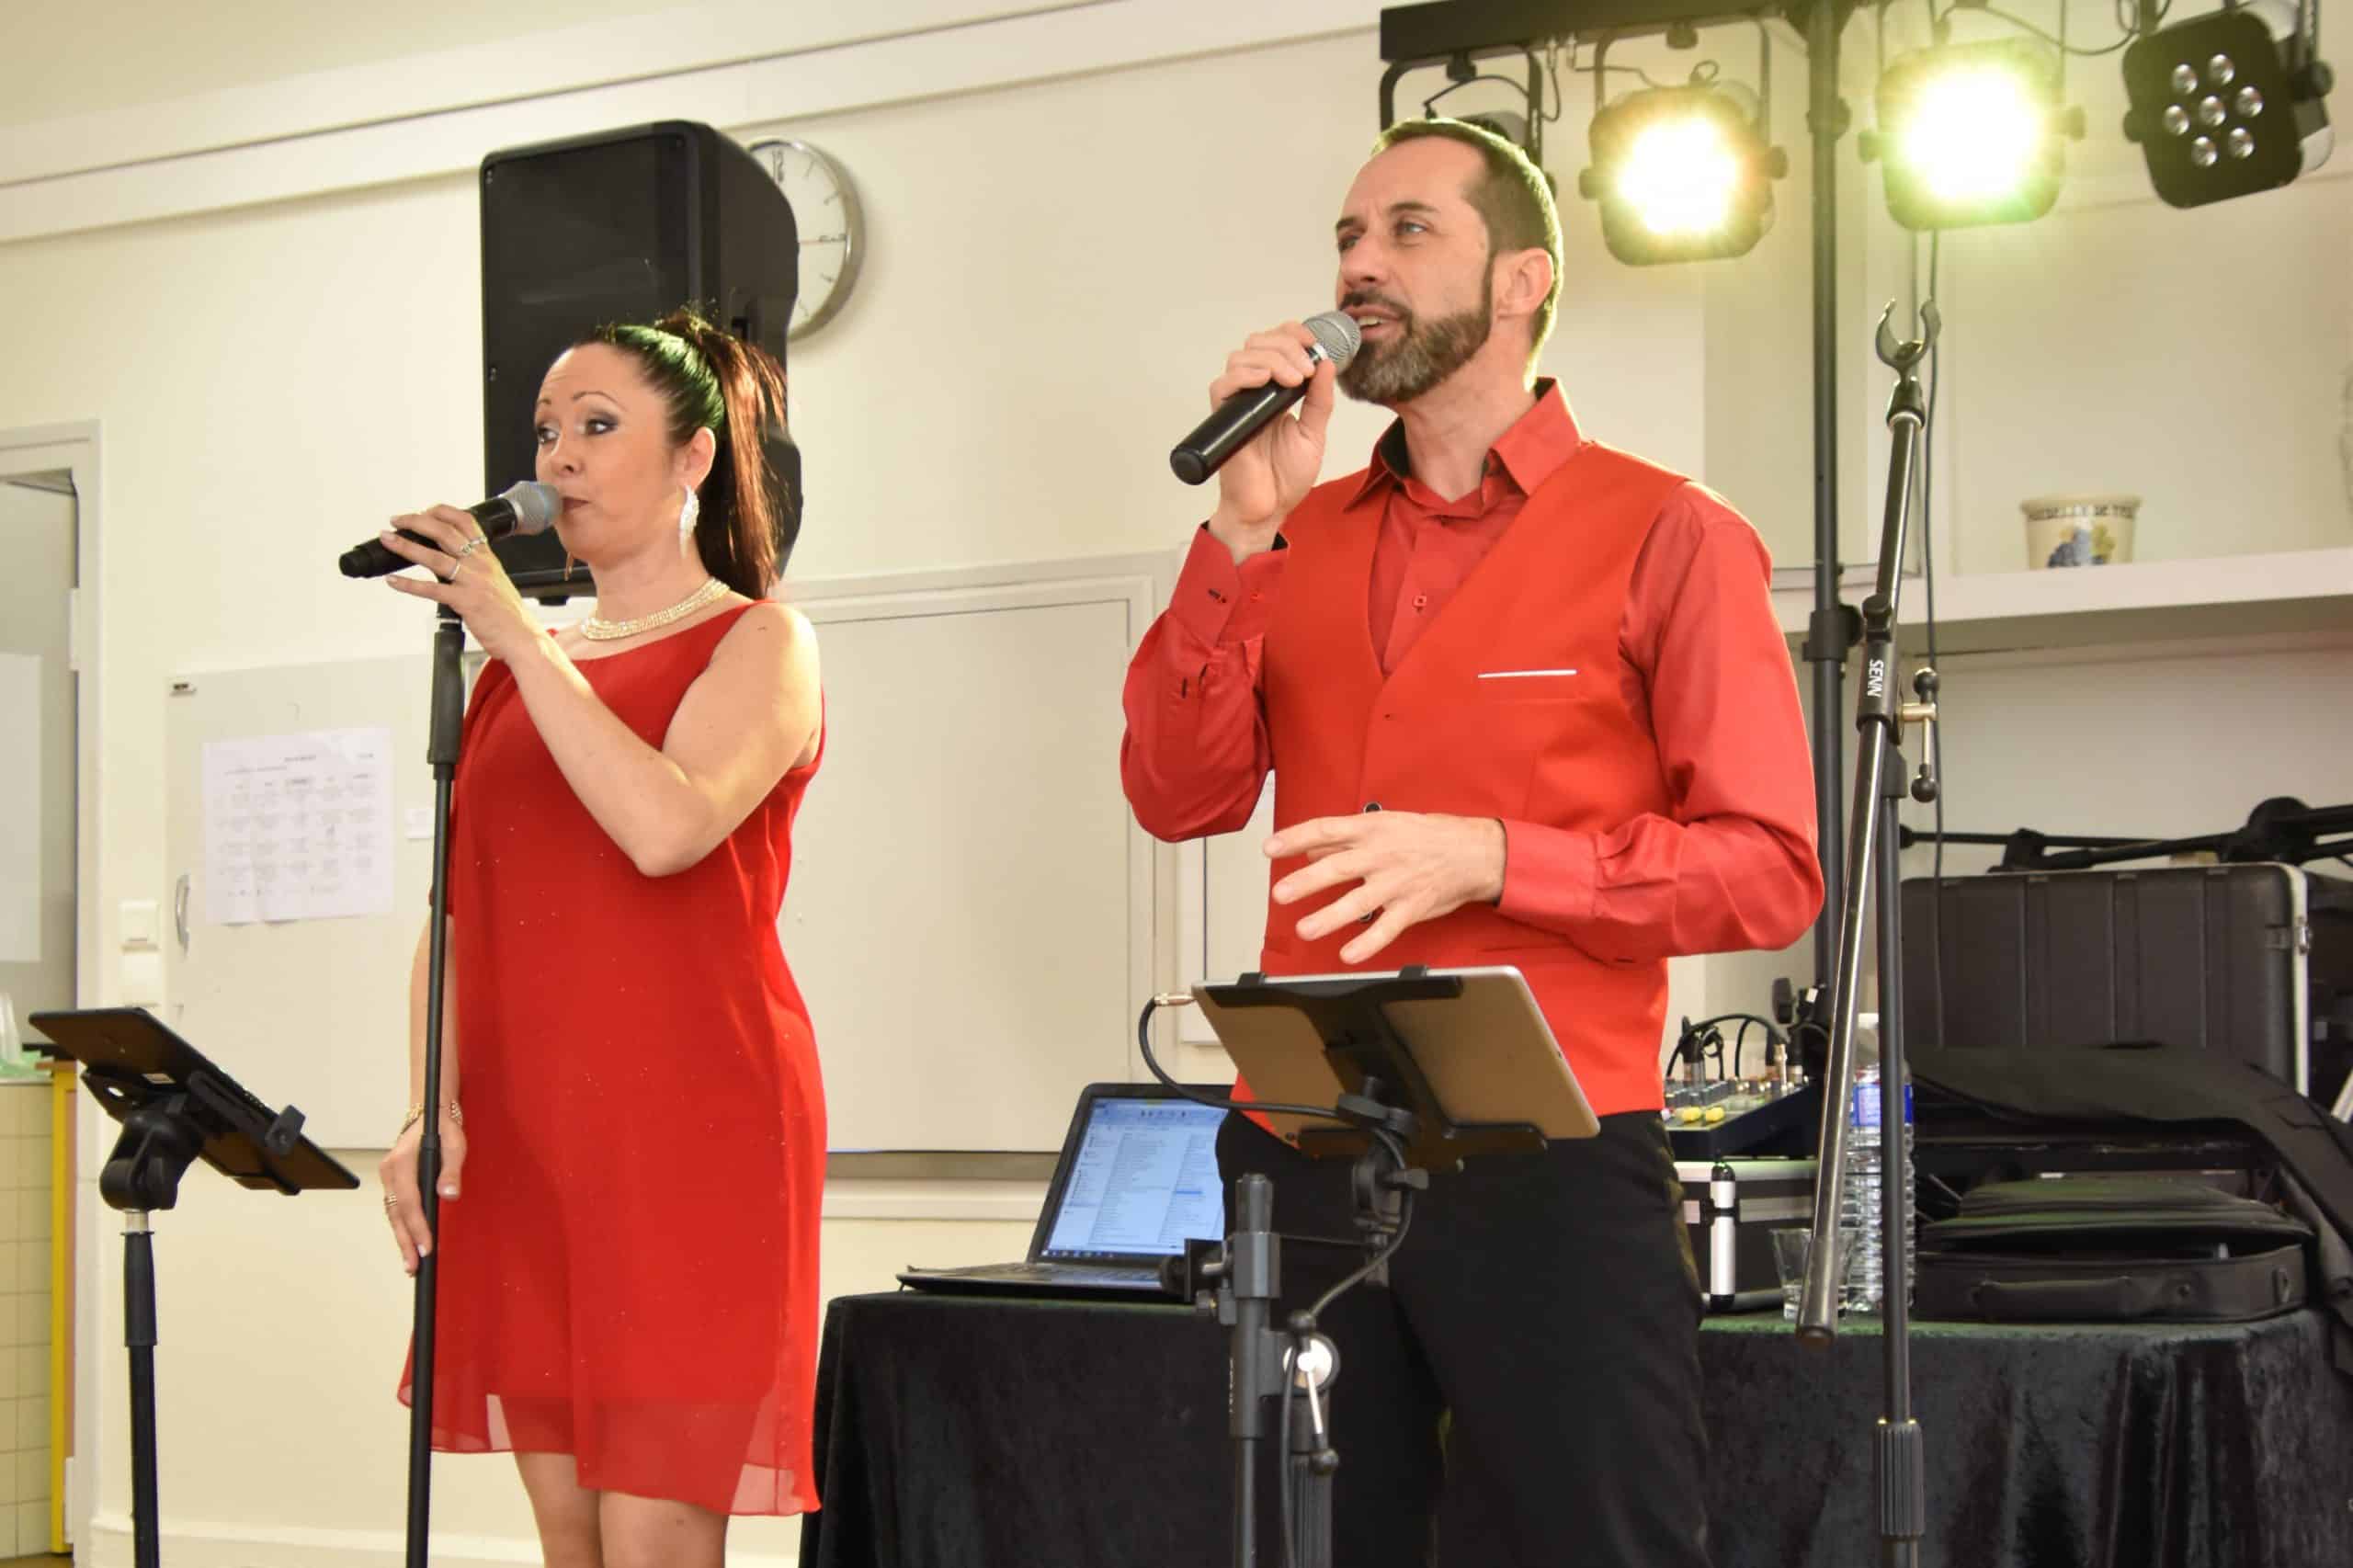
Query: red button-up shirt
x=1701, y=657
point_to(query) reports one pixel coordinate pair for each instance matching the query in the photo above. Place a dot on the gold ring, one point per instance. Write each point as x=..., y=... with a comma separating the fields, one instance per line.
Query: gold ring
x=391, y=1203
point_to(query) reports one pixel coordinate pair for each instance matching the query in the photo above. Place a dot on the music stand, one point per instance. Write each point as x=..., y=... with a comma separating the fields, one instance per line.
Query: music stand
x=1424, y=1068
x=175, y=1108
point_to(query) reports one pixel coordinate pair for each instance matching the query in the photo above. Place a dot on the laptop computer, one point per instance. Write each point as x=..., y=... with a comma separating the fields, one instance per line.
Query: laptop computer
x=1136, y=1179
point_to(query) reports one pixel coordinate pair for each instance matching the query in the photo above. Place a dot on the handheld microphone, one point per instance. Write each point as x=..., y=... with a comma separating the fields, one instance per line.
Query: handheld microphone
x=1230, y=427
x=526, y=508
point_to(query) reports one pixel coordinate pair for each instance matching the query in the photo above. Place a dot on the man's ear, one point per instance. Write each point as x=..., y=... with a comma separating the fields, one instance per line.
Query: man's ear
x=1523, y=280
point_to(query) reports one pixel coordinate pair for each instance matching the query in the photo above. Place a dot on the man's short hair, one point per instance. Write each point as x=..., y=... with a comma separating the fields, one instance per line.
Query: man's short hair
x=1512, y=196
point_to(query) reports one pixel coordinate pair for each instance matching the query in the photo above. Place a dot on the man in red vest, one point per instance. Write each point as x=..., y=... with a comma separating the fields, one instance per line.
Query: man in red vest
x=1525, y=702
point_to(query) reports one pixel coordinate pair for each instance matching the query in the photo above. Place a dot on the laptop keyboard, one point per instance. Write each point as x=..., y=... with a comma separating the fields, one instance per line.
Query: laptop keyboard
x=1082, y=1274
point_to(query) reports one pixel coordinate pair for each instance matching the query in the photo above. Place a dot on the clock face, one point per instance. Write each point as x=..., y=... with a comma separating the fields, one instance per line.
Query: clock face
x=833, y=236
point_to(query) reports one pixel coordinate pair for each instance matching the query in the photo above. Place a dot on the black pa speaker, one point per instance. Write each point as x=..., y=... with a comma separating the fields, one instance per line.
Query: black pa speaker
x=621, y=226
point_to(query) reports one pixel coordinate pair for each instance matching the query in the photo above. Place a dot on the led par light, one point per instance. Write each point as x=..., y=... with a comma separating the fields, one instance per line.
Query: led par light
x=2227, y=104
x=1973, y=133
x=1682, y=173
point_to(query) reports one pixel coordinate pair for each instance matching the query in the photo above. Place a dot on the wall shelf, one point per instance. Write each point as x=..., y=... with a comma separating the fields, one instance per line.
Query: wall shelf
x=2301, y=590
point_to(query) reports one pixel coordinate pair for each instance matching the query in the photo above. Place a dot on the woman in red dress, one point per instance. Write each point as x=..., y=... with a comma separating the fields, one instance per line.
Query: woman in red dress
x=630, y=1199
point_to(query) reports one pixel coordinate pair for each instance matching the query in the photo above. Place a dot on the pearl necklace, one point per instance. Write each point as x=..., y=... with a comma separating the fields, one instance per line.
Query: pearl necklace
x=599, y=631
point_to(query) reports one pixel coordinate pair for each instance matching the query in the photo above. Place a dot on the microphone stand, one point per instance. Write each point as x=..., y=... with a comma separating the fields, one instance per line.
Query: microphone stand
x=1297, y=1365
x=449, y=706
x=1874, y=853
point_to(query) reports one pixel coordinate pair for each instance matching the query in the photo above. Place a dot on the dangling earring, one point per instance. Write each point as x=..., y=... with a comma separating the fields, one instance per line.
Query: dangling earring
x=689, y=510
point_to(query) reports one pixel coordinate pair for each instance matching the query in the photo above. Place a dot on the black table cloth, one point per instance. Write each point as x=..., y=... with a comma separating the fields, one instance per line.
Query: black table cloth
x=975, y=1432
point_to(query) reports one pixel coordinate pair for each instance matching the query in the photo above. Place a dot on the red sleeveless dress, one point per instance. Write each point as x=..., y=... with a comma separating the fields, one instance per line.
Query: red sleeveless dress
x=630, y=1272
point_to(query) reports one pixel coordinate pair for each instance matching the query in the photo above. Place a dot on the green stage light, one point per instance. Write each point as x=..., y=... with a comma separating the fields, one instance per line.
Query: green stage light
x=1973, y=133
x=1682, y=173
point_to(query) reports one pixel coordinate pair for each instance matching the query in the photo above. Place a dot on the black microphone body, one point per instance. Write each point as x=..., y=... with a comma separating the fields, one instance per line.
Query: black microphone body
x=1233, y=424
x=526, y=508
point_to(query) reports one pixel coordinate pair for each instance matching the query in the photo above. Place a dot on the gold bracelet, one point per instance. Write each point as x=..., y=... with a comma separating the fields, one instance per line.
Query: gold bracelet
x=456, y=1117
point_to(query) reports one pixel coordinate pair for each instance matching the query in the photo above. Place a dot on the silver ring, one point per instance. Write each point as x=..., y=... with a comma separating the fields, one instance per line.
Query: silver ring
x=456, y=568
x=471, y=545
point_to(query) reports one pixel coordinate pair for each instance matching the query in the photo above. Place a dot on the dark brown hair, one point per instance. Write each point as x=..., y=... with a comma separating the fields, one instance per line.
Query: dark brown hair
x=1512, y=196
x=710, y=379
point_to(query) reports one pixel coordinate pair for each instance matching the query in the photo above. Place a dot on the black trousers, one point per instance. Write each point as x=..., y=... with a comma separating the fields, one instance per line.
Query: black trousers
x=1526, y=1391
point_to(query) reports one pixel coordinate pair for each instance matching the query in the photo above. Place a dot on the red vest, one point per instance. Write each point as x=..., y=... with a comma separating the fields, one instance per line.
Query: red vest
x=1560, y=749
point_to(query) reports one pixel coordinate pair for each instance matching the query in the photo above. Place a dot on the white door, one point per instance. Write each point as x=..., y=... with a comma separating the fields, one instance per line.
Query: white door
x=37, y=520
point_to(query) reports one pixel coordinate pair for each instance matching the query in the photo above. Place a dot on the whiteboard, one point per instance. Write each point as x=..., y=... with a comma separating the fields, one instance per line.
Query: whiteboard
x=308, y=1013
x=970, y=912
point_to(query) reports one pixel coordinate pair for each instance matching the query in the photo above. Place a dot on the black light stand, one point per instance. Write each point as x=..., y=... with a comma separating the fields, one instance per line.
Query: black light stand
x=2281, y=829
x=2024, y=850
x=175, y=1108
x=448, y=702
x=1874, y=853
x=1831, y=630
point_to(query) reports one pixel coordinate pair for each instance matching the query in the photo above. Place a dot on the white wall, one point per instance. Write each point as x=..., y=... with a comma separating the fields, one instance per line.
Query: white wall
x=1062, y=251
x=2163, y=741
x=110, y=54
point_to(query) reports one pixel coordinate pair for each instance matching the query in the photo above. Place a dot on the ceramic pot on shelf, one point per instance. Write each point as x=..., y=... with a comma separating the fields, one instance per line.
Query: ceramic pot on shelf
x=2079, y=530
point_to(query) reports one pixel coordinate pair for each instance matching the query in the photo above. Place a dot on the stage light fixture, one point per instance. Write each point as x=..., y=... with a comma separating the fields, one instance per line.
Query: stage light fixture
x=2227, y=104
x=1682, y=173
x=1973, y=133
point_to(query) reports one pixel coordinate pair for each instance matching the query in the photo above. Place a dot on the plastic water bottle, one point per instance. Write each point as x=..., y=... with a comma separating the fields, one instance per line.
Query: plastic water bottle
x=1859, y=1197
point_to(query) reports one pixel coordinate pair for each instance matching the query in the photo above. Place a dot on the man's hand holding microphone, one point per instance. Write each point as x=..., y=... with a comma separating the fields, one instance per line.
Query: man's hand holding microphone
x=1268, y=463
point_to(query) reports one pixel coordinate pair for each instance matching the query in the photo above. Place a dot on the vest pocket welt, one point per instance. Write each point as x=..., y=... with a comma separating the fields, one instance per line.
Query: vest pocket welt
x=1515, y=687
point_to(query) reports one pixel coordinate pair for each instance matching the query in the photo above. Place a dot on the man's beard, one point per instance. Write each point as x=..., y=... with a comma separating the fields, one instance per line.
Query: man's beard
x=1423, y=354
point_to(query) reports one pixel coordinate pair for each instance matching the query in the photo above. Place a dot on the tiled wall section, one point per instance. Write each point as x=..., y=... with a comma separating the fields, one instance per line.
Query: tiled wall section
x=24, y=1317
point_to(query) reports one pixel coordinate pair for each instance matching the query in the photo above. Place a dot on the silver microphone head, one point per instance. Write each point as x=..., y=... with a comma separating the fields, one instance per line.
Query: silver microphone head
x=536, y=504
x=1337, y=335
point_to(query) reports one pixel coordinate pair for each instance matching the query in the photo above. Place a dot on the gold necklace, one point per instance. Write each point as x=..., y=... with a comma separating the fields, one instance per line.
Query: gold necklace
x=599, y=631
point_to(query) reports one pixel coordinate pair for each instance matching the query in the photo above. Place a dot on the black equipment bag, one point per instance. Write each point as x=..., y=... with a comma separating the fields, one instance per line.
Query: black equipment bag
x=2111, y=1249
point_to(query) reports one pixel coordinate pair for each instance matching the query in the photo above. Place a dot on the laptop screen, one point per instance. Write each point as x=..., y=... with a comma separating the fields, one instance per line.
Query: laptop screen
x=1143, y=1181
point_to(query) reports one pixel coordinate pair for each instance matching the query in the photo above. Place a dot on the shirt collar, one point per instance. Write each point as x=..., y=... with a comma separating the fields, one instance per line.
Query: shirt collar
x=1538, y=443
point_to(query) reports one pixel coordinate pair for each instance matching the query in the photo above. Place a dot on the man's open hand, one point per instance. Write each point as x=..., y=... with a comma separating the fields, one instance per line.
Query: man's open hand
x=1408, y=867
